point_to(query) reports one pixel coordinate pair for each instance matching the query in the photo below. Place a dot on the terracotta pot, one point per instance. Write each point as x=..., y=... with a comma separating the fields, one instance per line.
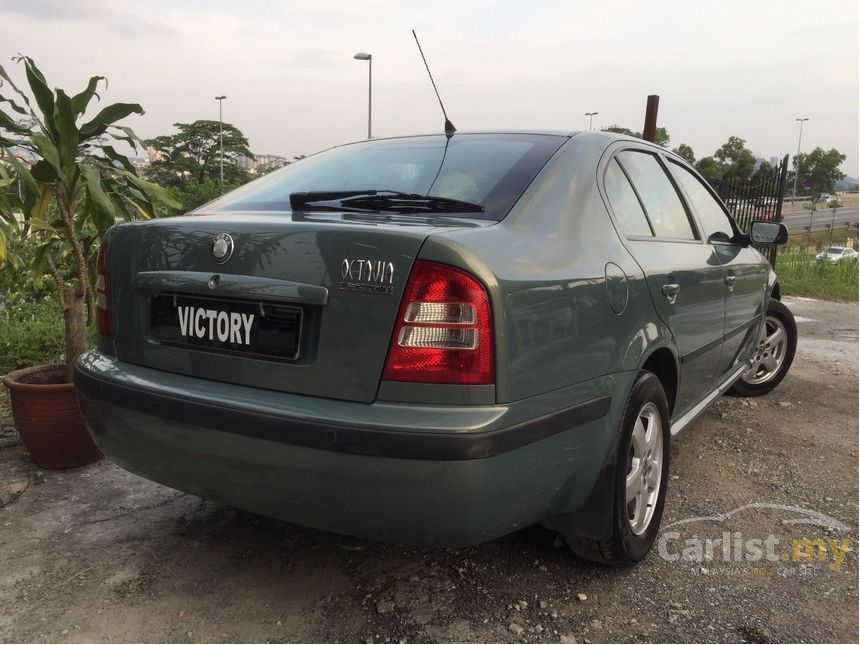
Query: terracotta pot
x=48, y=418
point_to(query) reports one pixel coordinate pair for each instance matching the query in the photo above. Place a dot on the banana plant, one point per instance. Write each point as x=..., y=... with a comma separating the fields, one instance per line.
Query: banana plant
x=63, y=184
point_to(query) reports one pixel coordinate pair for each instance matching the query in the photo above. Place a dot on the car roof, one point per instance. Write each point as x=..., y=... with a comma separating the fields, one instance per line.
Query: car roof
x=580, y=134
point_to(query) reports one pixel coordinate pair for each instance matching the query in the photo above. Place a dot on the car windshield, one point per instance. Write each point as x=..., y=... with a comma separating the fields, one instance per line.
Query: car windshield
x=490, y=170
x=835, y=250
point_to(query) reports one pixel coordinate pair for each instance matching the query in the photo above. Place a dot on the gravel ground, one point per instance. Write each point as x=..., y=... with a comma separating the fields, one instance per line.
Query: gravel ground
x=97, y=554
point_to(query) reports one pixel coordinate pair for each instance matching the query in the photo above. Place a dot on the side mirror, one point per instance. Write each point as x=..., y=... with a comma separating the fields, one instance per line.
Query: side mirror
x=762, y=232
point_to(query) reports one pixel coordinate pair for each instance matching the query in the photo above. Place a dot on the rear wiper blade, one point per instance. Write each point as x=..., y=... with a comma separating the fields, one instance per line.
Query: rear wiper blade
x=382, y=200
x=410, y=203
x=300, y=200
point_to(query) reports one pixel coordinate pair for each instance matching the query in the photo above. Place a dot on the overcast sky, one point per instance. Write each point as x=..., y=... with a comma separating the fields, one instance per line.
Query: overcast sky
x=721, y=68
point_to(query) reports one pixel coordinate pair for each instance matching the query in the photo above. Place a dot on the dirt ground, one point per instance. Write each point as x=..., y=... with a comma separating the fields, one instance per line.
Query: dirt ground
x=96, y=554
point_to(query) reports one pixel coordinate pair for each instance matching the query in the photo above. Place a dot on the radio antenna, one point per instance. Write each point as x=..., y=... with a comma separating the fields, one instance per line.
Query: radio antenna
x=449, y=127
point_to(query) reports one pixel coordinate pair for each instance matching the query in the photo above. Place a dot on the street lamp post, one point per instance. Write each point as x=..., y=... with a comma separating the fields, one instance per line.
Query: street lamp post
x=220, y=100
x=590, y=116
x=832, y=222
x=797, y=158
x=369, y=59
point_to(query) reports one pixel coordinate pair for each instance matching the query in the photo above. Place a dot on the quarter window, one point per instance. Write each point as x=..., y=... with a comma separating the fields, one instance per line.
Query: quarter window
x=713, y=218
x=628, y=211
x=662, y=205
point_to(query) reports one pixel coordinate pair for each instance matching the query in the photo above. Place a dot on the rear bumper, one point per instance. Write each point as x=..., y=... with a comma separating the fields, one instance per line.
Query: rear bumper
x=451, y=475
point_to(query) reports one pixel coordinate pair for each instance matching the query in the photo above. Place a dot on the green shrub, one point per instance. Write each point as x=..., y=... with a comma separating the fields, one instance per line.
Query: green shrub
x=32, y=332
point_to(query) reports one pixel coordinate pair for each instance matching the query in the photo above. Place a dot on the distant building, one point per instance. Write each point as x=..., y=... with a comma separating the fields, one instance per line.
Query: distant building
x=247, y=164
x=268, y=163
x=262, y=163
x=773, y=160
x=139, y=163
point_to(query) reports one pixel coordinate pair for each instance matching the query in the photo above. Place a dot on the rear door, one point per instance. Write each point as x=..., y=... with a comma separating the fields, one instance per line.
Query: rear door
x=744, y=269
x=684, y=276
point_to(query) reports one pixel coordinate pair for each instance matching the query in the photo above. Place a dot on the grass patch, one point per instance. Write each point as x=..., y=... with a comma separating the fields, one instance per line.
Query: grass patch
x=801, y=275
x=820, y=240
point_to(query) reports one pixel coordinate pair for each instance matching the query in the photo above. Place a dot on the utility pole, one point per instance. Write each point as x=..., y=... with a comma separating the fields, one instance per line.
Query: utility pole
x=649, y=132
x=590, y=116
x=797, y=159
x=220, y=100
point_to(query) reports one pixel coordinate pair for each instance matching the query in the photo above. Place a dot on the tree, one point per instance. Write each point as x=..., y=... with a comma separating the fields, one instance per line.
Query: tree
x=821, y=168
x=74, y=191
x=736, y=159
x=685, y=152
x=710, y=169
x=661, y=136
x=195, y=153
x=762, y=173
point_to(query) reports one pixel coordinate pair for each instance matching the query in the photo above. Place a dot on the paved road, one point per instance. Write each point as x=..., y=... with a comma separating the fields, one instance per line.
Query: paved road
x=798, y=221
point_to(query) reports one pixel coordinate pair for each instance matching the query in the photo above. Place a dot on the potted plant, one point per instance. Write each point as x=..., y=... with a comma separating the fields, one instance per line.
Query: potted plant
x=62, y=185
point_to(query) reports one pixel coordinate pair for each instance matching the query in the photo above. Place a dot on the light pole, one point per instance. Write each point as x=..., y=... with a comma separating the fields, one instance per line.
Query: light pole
x=590, y=116
x=797, y=158
x=369, y=59
x=220, y=100
x=832, y=222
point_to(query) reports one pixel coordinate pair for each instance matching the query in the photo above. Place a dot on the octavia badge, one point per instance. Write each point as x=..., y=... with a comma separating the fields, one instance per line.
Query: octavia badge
x=369, y=276
x=222, y=248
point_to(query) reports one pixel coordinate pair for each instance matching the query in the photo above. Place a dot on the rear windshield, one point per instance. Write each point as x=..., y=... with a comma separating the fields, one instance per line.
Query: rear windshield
x=492, y=170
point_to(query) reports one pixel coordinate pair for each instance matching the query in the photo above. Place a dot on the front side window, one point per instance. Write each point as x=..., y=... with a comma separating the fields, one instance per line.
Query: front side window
x=713, y=218
x=661, y=201
x=628, y=211
x=491, y=170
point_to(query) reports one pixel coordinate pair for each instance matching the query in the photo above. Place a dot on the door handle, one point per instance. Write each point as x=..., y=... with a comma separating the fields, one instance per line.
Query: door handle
x=730, y=281
x=671, y=292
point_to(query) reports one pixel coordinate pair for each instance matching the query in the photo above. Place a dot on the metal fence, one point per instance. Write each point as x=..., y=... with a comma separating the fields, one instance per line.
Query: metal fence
x=756, y=199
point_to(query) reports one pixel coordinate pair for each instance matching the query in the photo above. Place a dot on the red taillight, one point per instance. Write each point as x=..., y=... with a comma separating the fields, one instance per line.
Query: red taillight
x=444, y=330
x=103, y=317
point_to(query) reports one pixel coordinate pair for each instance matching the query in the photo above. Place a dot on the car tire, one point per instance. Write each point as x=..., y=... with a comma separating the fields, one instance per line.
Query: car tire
x=764, y=376
x=632, y=535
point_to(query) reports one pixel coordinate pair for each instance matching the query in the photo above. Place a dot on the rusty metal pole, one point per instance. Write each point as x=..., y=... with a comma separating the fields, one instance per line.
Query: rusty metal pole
x=649, y=132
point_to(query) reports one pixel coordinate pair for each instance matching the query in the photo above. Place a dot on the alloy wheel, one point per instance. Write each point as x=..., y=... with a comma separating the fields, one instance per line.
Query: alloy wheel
x=645, y=469
x=769, y=353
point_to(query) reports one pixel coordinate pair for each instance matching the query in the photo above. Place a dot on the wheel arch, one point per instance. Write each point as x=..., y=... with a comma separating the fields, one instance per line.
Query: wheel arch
x=664, y=365
x=776, y=292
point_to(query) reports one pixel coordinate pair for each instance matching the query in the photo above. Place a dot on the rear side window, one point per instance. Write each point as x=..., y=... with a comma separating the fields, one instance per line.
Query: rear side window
x=713, y=217
x=659, y=197
x=628, y=211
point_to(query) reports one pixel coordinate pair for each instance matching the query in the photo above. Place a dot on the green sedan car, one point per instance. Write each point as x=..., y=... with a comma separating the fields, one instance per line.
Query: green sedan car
x=436, y=339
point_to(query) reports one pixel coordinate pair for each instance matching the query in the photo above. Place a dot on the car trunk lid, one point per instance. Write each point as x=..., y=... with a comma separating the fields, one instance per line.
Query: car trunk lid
x=304, y=303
